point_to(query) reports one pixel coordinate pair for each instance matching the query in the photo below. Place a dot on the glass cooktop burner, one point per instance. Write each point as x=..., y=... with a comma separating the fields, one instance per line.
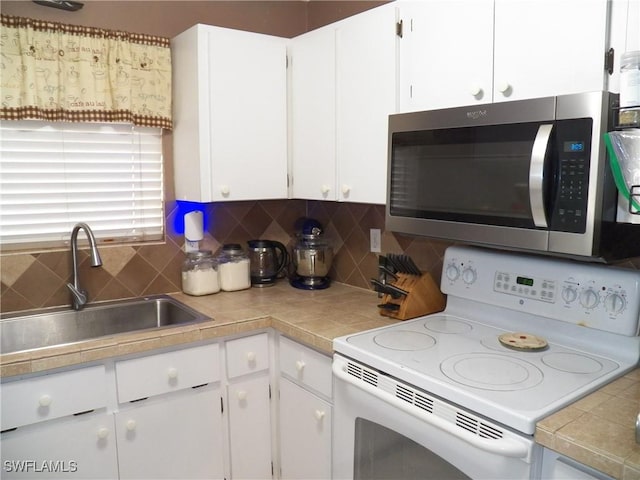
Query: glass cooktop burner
x=404, y=340
x=446, y=325
x=490, y=371
x=572, y=363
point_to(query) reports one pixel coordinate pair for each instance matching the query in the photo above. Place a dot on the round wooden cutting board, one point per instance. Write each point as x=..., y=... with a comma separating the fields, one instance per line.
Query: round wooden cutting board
x=523, y=341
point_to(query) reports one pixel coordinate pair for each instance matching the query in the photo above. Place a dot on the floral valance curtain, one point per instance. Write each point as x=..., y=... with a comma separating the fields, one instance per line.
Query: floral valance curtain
x=56, y=72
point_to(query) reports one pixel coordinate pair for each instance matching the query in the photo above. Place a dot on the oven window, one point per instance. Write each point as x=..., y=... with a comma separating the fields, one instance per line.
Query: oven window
x=381, y=454
x=472, y=174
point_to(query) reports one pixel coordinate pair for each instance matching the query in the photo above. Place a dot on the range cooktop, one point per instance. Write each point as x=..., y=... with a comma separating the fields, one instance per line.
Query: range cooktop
x=583, y=319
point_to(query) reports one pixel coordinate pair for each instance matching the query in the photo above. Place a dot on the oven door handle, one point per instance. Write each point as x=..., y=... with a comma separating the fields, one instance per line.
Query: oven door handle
x=506, y=446
x=536, y=175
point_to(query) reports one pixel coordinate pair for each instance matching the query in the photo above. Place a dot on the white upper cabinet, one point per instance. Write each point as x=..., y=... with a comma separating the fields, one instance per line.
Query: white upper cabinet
x=461, y=52
x=343, y=90
x=230, y=115
x=446, y=53
x=549, y=47
x=313, y=115
x=366, y=95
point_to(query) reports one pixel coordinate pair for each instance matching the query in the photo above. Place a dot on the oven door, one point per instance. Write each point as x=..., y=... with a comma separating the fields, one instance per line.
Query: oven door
x=386, y=429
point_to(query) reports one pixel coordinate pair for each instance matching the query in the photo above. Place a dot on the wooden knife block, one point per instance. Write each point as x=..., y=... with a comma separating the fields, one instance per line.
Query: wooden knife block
x=423, y=297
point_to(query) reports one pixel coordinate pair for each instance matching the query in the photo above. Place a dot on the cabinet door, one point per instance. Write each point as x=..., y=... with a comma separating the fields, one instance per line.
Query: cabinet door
x=248, y=108
x=230, y=113
x=366, y=96
x=305, y=433
x=74, y=447
x=548, y=47
x=177, y=436
x=313, y=107
x=446, y=53
x=250, y=428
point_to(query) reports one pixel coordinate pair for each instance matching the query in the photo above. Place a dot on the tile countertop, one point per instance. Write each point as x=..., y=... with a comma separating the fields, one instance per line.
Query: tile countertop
x=597, y=430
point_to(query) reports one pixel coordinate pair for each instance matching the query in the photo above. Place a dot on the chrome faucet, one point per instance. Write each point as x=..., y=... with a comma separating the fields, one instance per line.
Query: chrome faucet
x=79, y=296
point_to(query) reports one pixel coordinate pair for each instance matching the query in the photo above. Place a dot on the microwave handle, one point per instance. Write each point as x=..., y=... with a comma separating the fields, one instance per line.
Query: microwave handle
x=536, y=175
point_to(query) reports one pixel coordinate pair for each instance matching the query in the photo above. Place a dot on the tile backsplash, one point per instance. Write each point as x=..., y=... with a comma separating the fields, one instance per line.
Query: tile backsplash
x=38, y=280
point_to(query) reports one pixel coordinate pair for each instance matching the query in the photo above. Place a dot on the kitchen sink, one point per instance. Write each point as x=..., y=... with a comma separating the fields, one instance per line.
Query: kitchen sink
x=50, y=327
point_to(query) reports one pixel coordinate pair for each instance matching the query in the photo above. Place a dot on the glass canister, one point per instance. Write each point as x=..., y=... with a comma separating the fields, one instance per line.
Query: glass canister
x=630, y=79
x=200, y=273
x=234, y=265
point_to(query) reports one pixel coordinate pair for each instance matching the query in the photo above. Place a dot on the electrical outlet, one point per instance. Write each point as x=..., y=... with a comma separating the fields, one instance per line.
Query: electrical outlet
x=375, y=240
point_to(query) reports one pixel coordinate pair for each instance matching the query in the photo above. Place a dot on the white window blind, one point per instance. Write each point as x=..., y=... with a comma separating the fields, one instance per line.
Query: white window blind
x=54, y=175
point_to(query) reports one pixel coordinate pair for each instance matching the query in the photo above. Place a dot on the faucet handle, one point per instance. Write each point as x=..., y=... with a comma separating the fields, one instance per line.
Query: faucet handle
x=79, y=296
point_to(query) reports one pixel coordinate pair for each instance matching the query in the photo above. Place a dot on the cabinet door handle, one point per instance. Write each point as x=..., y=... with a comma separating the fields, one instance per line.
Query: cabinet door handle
x=324, y=189
x=45, y=400
x=103, y=432
x=130, y=425
x=224, y=190
x=172, y=373
x=300, y=365
x=346, y=189
x=242, y=395
x=251, y=357
x=475, y=90
x=504, y=88
x=319, y=414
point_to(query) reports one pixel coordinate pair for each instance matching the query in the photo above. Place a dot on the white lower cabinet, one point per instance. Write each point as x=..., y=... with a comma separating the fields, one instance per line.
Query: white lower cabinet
x=82, y=446
x=201, y=411
x=57, y=426
x=169, y=420
x=250, y=429
x=179, y=436
x=249, y=407
x=305, y=412
x=305, y=433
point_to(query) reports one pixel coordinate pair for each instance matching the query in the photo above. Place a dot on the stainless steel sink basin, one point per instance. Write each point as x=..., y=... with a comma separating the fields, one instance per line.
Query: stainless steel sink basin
x=63, y=326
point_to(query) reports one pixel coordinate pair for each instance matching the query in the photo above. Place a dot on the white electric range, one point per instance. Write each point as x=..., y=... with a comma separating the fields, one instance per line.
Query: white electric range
x=586, y=314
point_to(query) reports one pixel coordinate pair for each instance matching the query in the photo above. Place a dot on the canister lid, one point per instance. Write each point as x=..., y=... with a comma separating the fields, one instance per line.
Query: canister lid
x=232, y=248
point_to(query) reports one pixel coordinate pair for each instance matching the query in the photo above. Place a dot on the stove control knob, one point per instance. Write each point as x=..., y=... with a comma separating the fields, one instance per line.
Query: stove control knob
x=452, y=272
x=589, y=298
x=569, y=294
x=614, y=303
x=469, y=276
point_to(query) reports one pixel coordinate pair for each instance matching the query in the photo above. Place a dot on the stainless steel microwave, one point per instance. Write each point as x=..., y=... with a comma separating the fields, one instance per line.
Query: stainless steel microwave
x=527, y=175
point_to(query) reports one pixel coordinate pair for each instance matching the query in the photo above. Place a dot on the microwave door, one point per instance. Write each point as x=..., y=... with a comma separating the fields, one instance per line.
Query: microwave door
x=470, y=184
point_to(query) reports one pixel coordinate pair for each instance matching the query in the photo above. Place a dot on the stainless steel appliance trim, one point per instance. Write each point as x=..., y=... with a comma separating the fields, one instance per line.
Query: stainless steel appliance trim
x=536, y=175
x=511, y=237
x=519, y=111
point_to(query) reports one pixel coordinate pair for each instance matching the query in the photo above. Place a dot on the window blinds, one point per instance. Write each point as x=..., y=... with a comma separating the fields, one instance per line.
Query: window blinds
x=54, y=175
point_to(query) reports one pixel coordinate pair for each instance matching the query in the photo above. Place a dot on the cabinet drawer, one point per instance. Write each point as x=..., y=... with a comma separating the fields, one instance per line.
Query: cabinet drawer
x=247, y=355
x=53, y=396
x=167, y=372
x=305, y=365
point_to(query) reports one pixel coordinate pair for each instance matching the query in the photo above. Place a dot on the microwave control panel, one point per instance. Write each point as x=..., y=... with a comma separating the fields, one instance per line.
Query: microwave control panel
x=572, y=151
